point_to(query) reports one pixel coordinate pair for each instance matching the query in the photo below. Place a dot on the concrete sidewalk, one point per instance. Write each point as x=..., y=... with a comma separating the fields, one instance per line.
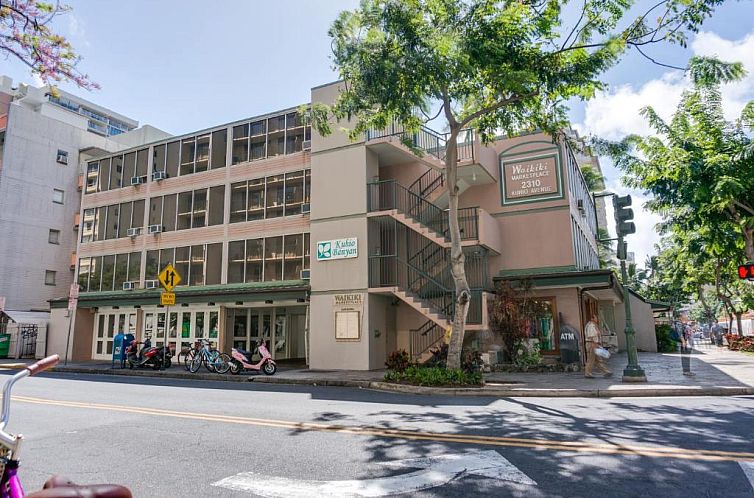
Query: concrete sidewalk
x=718, y=372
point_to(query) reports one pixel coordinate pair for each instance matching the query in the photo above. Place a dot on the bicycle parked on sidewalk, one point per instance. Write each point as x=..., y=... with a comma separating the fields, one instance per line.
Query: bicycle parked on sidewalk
x=212, y=359
x=56, y=486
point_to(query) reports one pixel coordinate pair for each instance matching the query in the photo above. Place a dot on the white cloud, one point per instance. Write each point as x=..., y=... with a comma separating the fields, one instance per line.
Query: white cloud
x=616, y=113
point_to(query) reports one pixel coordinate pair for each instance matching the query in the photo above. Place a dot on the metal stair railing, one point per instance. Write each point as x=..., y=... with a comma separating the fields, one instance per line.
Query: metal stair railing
x=428, y=140
x=428, y=182
x=423, y=338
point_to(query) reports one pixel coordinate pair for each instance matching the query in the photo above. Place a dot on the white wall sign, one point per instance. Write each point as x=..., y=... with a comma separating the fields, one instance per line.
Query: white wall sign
x=348, y=309
x=337, y=249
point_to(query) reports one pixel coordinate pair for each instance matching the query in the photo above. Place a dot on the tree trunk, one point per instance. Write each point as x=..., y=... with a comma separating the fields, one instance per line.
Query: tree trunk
x=457, y=259
x=738, y=322
x=730, y=323
x=748, y=243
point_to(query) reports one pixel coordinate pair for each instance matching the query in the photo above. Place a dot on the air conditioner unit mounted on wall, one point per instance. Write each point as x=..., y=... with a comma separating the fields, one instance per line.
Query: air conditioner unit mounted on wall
x=154, y=229
x=306, y=207
x=305, y=275
x=62, y=158
x=151, y=284
x=133, y=232
x=129, y=285
x=159, y=175
x=135, y=180
x=306, y=145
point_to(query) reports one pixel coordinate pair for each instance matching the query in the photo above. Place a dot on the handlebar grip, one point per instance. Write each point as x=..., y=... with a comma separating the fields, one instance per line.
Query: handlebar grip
x=43, y=364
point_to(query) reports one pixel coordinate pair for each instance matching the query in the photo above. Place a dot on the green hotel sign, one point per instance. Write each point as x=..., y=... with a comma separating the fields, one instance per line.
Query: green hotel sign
x=337, y=249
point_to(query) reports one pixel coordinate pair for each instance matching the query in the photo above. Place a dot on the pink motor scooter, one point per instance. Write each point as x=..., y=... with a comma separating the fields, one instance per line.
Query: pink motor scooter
x=241, y=360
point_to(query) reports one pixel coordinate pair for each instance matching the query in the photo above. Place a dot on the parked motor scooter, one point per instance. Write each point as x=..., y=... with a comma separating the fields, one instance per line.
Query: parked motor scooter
x=149, y=356
x=241, y=360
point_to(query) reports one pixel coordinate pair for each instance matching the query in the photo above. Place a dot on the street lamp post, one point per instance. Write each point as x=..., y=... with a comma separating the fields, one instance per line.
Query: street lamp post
x=624, y=226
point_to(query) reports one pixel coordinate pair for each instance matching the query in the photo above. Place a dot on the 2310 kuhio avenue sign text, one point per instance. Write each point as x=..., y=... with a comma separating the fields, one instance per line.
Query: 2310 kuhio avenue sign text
x=337, y=249
x=530, y=178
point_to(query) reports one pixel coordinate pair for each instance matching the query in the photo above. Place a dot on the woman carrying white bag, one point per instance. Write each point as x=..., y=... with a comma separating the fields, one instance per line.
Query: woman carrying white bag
x=595, y=353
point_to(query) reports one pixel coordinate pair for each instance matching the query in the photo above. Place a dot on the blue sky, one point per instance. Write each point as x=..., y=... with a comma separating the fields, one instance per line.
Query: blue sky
x=187, y=65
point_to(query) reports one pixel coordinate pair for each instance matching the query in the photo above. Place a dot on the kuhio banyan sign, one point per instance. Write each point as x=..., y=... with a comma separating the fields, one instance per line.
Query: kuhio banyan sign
x=337, y=249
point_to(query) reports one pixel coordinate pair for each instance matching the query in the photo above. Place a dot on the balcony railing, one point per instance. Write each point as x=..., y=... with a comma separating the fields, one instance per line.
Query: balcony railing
x=388, y=195
x=429, y=141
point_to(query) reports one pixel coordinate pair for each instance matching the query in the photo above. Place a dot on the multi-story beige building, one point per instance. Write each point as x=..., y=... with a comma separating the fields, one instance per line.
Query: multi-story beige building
x=334, y=251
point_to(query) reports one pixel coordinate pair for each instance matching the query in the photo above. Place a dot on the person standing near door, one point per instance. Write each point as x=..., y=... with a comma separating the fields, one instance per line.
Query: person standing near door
x=593, y=337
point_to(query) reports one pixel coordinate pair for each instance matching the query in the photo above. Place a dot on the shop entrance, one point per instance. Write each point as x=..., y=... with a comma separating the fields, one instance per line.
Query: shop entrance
x=282, y=328
x=106, y=327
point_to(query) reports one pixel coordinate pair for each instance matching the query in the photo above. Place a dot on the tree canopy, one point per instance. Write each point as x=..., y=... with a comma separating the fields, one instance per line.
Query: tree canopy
x=26, y=34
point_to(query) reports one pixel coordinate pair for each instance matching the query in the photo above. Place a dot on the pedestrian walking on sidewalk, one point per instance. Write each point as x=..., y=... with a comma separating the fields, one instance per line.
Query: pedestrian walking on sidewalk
x=686, y=347
x=593, y=336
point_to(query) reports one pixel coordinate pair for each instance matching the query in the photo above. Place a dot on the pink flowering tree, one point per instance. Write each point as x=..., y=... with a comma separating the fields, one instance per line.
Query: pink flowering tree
x=26, y=34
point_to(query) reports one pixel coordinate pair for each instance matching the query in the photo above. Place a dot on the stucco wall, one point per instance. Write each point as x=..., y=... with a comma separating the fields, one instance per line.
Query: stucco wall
x=643, y=322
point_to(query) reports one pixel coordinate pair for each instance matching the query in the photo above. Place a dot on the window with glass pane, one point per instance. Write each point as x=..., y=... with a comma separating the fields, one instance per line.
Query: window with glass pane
x=275, y=143
x=137, y=216
x=166, y=256
x=160, y=330
x=185, y=200
x=275, y=195
x=219, y=146
x=307, y=251
x=308, y=186
x=116, y=173
x=173, y=158
x=129, y=167
x=543, y=326
x=95, y=274
x=112, y=221
x=188, y=148
x=294, y=255
x=108, y=272
x=185, y=325
x=254, y=259
x=153, y=265
x=121, y=270
x=155, y=211
x=273, y=258
x=142, y=161
x=92, y=177
x=240, y=153
x=88, y=225
x=256, y=199
x=134, y=267
x=199, y=324
x=216, y=205
x=196, y=274
x=199, y=212
x=258, y=139
x=104, y=175
x=214, y=265
x=169, y=212
x=85, y=265
x=173, y=325
x=202, y=154
x=213, y=324
x=182, y=262
x=276, y=124
x=158, y=157
x=238, y=202
x=100, y=224
x=236, y=255
x=124, y=219
x=294, y=192
x=294, y=137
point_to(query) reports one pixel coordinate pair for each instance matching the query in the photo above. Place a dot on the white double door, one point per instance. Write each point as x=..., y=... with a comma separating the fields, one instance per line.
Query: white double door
x=180, y=328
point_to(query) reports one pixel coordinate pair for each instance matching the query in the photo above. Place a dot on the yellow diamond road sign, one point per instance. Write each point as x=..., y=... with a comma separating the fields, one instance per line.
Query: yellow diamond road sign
x=169, y=278
x=167, y=299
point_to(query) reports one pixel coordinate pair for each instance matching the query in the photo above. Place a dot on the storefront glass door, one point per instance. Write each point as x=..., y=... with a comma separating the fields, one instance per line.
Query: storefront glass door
x=107, y=325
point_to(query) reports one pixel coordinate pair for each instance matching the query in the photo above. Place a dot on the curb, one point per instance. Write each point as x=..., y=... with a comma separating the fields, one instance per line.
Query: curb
x=513, y=392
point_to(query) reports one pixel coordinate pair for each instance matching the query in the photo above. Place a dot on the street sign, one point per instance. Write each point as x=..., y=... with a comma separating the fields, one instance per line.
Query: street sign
x=169, y=278
x=167, y=299
x=746, y=271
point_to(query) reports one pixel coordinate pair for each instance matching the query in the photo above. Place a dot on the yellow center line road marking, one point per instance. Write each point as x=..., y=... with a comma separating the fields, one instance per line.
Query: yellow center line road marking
x=541, y=444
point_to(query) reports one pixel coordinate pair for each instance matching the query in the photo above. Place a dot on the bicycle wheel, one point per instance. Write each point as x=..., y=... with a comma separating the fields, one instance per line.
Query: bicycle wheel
x=188, y=357
x=223, y=363
x=211, y=360
x=196, y=364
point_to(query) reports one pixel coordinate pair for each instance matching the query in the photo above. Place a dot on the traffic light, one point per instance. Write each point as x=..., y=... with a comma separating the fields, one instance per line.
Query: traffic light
x=623, y=215
x=746, y=271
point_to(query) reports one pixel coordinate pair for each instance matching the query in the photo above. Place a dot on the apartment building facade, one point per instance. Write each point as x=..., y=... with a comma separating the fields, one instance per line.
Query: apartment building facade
x=43, y=140
x=334, y=251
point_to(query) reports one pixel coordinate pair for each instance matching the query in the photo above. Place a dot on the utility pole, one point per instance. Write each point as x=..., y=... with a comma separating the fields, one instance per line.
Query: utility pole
x=624, y=226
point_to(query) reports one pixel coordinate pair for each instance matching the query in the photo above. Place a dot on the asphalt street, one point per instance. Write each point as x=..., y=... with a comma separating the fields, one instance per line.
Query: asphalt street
x=200, y=438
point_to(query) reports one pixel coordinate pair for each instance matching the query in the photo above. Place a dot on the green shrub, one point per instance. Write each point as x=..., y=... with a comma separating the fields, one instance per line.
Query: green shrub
x=398, y=360
x=665, y=344
x=434, y=376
